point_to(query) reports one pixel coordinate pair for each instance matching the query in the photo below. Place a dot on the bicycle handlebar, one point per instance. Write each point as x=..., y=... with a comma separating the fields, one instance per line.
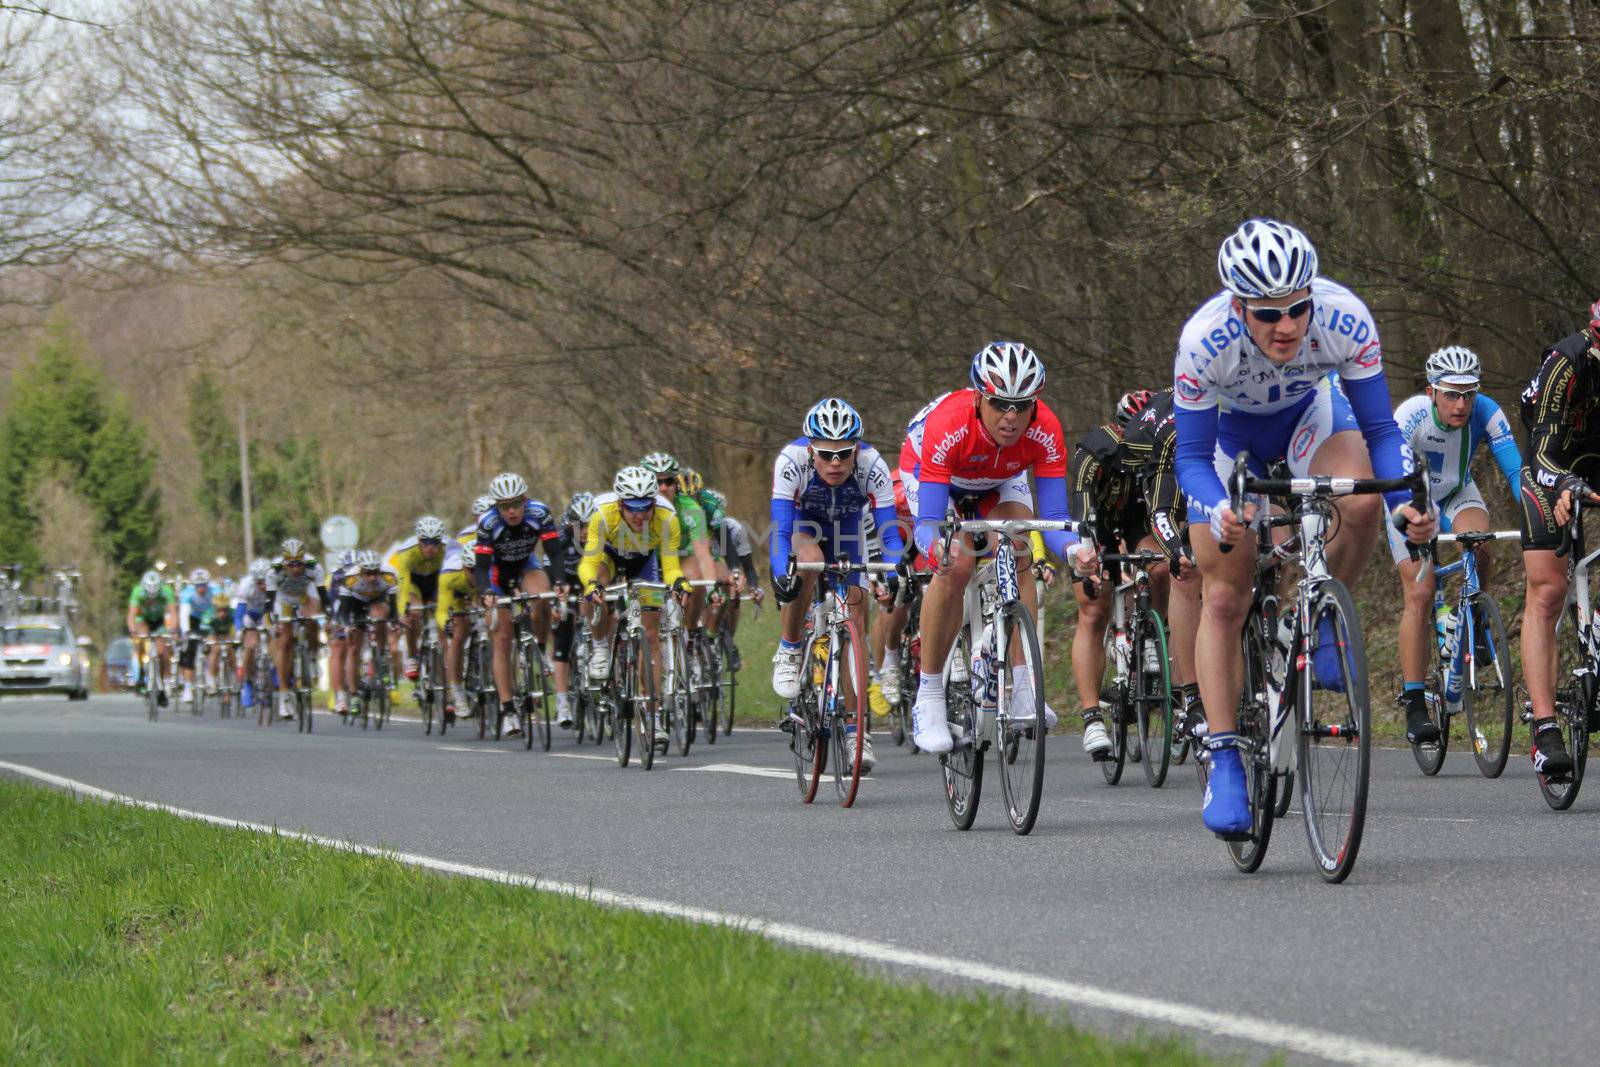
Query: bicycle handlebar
x=842, y=568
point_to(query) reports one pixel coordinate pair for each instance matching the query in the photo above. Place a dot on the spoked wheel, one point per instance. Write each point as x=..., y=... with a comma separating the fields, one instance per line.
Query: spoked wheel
x=810, y=748
x=730, y=688
x=1285, y=794
x=1489, y=699
x=1335, y=739
x=536, y=706
x=424, y=690
x=645, y=706
x=1153, y=700
x=962, y=766
x=845, y=697
x=1115, y=700
x=303, y=682
x=616, y=697
x=711, y=698
x=382, y=686
x=1020, y=724
x=1260, y=784
x=1430, y=756
x=1575, y=697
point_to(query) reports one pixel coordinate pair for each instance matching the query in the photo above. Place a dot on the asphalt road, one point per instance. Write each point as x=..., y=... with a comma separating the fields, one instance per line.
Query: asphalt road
x=1465, y=932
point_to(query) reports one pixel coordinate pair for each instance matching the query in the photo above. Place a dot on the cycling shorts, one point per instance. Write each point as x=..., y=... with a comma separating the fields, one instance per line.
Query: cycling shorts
x=1538, y=500
x=1293, y=435
x=1465, y=497
x=645, y=568
x=424, y=591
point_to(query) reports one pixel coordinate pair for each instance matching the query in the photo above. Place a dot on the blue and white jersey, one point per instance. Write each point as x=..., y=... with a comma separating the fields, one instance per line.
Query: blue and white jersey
x=1219, y=366
x=800, y=495
x=1222, y=379
x=1448, y=451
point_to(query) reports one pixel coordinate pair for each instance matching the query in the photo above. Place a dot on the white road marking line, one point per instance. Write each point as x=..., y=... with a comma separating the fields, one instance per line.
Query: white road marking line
x=464, y=748
x=742, y=768
x=583, y=755
x=1283, y=1036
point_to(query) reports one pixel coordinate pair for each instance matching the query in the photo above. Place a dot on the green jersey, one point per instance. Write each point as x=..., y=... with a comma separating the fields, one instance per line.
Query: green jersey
x=691, y=521
x=152, y=608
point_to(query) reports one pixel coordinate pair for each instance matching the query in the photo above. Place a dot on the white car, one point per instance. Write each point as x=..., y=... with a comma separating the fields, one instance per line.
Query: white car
x=40, y=654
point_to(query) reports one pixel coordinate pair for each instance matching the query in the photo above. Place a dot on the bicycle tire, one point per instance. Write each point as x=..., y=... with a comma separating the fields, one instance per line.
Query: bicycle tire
x=1020, y=758
x=1334, y=742
x=731, y=691
x=1491, y=706
x=151, y=684
x=1430, y=756
x=849, y=726
x=1261, y=785
x=1153, y=700
x=302, y=692
x=1116, y=714
x=806, y=741
x=536, y=709
x=1575, y=695
x=619, y=689
x=712, y=704
x=1285, y=788
x=645, y=714
x=962, y=767
x=692, y=680
x=675, y=704
x=424, y=689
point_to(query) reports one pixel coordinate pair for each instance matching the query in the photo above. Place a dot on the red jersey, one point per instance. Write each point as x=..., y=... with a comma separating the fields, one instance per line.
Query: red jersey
x=953, y=447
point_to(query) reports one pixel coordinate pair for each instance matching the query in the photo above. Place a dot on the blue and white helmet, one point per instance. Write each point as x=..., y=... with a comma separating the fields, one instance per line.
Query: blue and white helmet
x=832, y=420
x=1007, y=370
x=1454, y=365
x=1264, y=259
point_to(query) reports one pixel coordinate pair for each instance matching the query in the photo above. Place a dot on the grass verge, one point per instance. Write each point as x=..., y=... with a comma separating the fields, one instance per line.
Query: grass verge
x=137, y=937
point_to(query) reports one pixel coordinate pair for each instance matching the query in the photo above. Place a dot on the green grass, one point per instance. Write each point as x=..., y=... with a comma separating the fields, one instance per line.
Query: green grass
x=136, y=937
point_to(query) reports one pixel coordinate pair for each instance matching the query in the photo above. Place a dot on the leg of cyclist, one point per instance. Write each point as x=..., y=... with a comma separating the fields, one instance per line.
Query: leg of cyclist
x=561, y=637
x=247, y=663
x=1022, y=681
x=1183, y=621
x=500, y=639
x=535, y=580
x=786, y=663
x=1227, y=580
x=941, y=618
x=280, y=646
x=1344, y=454
x=603, y=619
x=1089, y=665
x=651, y=618
x=1542, y=519
x=339, y=675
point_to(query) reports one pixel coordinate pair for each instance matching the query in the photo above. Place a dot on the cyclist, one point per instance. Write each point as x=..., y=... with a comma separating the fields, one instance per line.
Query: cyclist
x=417, y=562
x=633, y=535
x=339, y=636
x=731, y=545
x=250, y=603
x=1559, y=410
x=823, y=483
x=153, y=613
x=197, y=616
x=1281, y=363
x=295, y=583
x=510, y=535
x=574, y=528
x=364, y=590
x=468, y=534
x=1150, y=447
x=1444, y=426
x=694, y=549
x=1105, y=489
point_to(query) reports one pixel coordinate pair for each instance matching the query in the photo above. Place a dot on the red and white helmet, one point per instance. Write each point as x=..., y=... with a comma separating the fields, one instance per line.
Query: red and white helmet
x=1131, y=405
x=1007, y=370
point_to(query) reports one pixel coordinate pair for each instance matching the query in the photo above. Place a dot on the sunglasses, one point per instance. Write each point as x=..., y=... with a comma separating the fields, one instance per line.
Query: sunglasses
x=1006, y=407
x=834, y=455
x=638, y=506
x=434, y=541
x=666, y=481
x=1455, y=396
x=1298, y=309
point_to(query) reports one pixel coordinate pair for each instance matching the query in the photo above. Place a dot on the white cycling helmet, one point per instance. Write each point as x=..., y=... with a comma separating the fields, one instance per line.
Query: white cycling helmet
x=718, y=498
x=634, y=483
x=1007, y=370
x=659, y=463
x=199, y=576
x=508, y=486
x=1454, y=365
x=832, y=419
x=260, y=567
x=430, y=528
x=482, y=504
x=293, y=550
x=580, y=508
x=1265, y=258
x=368, y=560
x=151, y=583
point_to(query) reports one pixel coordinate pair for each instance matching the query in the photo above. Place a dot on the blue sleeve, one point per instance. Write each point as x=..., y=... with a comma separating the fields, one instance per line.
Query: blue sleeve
x=1488, y=422
x=238, y=616
x=1051, y=494
x=778, y=543
x=1369, y=400
x=888, y=526
x=1196, y=457
x=933, y=499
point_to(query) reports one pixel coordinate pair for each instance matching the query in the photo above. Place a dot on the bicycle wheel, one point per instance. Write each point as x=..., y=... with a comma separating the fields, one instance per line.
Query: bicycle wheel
x=646, y=709
x=806, y=740
x=1116, y=700
x=152, y=685
x=383, y=684
x=1334, y=745
x=227, y=682
x=675, y=705
x=1020, y=728
x=304, y=680
x=1153, y=699
x=711, y=702
x=1489, y=698
x=483, y=676
x=1430, y=756
x=846, y=710
x=962, y=766
x=536, y=709
x=1260, y=785
x=424, y=690
x=731, y=689
x=617, y=692
x=1575, y=695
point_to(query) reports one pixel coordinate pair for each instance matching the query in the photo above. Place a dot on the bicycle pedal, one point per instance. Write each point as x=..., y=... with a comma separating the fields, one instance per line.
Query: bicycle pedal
x=1232, y=837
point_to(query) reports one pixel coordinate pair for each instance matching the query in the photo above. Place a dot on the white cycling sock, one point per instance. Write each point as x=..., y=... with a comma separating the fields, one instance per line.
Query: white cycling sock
x=931, y=691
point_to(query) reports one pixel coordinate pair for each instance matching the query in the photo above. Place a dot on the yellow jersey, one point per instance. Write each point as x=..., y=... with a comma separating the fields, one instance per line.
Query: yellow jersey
x=408, y=562
x=609, y=533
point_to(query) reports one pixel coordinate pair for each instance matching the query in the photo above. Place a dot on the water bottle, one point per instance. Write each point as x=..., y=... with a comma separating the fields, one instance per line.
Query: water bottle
x=1152, y=658
x=1444, y=621
x=1122, y=649
x=1282, y=639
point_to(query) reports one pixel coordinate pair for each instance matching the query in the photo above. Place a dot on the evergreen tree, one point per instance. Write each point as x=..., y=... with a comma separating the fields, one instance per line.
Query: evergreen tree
x=120, y=482
x=216, y=442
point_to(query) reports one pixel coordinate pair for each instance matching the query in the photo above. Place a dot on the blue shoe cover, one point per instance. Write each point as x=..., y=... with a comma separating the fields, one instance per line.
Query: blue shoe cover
x=1227, y=809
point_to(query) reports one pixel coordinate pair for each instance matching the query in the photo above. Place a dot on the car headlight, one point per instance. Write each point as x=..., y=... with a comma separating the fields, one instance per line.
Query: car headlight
x=65, y=659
